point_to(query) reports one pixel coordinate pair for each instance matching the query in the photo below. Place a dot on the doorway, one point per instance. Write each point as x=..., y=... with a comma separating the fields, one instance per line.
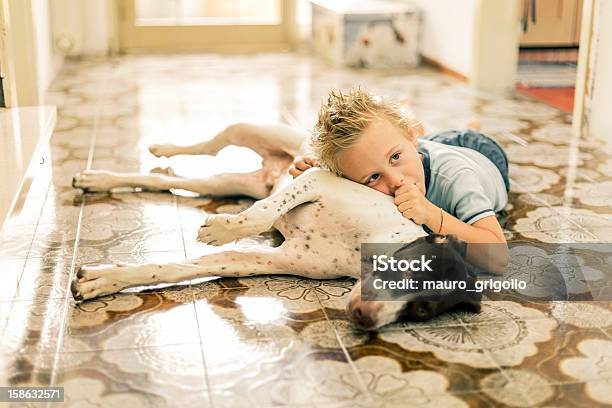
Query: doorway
x=210, y=25
x=548, y=53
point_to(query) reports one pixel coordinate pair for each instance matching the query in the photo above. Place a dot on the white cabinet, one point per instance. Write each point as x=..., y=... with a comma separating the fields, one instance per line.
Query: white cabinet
x=369, y=34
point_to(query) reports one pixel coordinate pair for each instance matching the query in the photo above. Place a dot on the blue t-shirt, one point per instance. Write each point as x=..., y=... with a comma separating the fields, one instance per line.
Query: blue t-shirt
x=462, y=181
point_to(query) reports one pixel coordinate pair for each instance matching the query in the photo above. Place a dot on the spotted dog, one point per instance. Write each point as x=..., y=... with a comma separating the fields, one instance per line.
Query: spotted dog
x=323, y=219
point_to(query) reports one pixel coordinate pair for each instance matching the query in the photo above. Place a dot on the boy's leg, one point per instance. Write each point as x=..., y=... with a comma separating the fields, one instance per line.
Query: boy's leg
x=476, y=141
x=263, y=139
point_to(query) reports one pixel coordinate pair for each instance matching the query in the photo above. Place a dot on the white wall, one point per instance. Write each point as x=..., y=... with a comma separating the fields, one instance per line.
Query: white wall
x=83, y=28
x=29, y=52
x=496, y=46
x=48, y=60
x=599, y=118
x=43, y=32
x=448, y=32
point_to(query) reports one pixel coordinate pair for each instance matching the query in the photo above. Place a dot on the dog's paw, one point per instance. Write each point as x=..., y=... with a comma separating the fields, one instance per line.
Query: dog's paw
x=99, y=280
x=163, y=150
x=220, y=229
x=95, y=180
x=168, y=171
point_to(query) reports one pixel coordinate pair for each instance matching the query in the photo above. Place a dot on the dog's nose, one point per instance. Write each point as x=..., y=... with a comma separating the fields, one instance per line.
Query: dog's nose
x=363, y=314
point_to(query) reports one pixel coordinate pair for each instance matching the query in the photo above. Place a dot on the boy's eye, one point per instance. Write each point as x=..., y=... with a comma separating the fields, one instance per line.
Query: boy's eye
x=373, y=178
x=395, y=157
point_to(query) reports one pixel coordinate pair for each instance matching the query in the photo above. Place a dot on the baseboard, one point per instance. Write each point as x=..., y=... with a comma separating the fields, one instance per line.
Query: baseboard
x=444, y=69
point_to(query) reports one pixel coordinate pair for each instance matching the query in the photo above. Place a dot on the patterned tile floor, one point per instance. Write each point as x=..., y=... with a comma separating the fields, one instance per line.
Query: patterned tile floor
x=281, y=341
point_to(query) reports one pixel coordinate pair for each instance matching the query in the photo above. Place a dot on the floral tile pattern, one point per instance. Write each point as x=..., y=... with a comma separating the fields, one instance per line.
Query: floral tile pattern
x=283, y=340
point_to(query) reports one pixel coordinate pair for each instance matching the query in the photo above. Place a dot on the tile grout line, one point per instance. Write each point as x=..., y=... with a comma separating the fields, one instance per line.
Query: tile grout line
x=580, y=227
x=113, y=349
x=545, y=204
x=574, y=147
x=27, y=257
x=550, y=383
x=350, y=361
x=64, y=317
x=178, y=215
x=204, y=365
x=572, y=304
x=575, y=144
x=515, y=138
x=609, y=335
x=494, y=361
x=195, y=311
x=25, y=260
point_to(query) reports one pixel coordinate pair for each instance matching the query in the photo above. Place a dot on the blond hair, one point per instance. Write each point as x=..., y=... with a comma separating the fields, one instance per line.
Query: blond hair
x=345, y=116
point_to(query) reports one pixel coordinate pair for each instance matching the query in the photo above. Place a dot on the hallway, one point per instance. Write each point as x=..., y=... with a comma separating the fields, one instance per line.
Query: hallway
x=281, y=340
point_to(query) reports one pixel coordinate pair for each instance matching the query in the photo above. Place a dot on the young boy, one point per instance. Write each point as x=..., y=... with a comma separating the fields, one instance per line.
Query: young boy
x=451, y=183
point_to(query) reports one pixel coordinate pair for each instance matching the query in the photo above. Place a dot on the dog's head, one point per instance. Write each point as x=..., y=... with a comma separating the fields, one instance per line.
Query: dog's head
x=447, y=264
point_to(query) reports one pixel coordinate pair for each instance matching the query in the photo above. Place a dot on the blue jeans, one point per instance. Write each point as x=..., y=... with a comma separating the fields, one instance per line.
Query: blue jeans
x=479, y=142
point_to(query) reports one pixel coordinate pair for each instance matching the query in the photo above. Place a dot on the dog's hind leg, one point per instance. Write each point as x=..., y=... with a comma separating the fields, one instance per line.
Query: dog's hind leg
x=93, y=281
x=254, y=184
x=277, y=144
x=265, y=140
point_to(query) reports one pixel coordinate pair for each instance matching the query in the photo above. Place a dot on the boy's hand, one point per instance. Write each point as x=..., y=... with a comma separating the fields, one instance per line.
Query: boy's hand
x=411, y=202
x=301, y=164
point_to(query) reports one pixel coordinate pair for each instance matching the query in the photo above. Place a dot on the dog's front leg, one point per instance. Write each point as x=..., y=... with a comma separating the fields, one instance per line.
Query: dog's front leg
x=98, y=280
x=220, y=229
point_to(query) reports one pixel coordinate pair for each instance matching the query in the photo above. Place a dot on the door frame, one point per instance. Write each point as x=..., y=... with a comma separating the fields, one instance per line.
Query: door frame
x=584, y=75
x=6, y=59
x=495, y=57
x=487, y=76
x=219, y=38
x=18, y=64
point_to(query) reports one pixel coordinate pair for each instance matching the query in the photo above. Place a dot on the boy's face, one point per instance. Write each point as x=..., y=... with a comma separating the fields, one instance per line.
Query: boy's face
x=383, y=158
